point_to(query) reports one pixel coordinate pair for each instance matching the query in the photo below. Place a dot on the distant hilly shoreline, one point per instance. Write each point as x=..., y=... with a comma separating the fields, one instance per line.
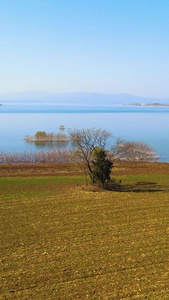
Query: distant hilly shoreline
x=80, y=98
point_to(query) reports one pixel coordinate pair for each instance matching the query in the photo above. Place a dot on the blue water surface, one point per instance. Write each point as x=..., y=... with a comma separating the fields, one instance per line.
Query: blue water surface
x=143, y=124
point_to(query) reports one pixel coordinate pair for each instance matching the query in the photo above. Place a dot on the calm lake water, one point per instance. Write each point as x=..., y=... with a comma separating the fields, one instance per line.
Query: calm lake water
x=143, y=124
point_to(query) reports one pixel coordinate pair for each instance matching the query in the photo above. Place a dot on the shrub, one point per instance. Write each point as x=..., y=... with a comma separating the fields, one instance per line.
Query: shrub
x=101, y=167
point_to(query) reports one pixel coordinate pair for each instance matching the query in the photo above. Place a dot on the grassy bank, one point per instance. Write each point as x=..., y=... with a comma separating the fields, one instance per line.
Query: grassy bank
x=62, y=239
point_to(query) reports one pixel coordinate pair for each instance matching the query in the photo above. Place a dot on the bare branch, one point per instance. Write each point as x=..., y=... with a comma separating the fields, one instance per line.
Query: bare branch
x=131, y=151
x=87, y=141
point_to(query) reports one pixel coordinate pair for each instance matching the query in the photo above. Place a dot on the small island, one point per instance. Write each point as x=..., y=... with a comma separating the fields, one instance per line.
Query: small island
x=43, y=137
x=62, y=127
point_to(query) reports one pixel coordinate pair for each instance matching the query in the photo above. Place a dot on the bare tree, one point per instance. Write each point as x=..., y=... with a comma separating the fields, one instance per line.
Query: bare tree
x=87, y=142
x=132, y=151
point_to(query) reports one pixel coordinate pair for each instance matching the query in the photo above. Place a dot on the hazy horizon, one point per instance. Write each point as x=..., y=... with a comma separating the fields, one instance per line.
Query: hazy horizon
x=76, y=98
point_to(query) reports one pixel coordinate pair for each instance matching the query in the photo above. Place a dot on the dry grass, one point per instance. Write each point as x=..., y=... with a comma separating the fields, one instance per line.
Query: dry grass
x=70, y=169
x=62, y=240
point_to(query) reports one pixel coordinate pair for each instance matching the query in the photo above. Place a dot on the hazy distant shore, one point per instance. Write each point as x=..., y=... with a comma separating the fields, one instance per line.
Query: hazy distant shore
x=79, y=98
x=144, y=104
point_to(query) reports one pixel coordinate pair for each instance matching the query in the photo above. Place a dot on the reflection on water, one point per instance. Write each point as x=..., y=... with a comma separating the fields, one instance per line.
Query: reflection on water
x=61, y=145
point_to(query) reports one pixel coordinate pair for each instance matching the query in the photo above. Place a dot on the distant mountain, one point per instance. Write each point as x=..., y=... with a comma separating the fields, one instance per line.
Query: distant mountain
x=79, y=98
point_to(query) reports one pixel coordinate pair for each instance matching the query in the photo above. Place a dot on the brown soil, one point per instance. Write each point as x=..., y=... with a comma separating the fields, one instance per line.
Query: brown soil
x=133, y=168
x=120, y=168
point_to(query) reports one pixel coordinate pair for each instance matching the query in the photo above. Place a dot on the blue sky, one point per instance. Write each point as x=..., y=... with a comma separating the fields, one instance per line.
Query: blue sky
x=117, y=46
